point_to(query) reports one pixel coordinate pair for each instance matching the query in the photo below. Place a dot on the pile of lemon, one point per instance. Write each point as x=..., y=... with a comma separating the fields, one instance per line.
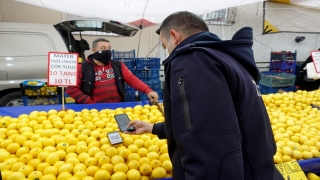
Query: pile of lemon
x=69, y=145
x=295, y=124
x=32, y=82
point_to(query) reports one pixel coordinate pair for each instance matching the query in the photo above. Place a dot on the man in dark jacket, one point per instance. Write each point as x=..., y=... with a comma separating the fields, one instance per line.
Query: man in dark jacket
x=216, y=123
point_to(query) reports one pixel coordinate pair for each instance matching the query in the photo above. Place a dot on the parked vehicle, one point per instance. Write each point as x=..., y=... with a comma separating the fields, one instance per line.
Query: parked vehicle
x=24, y=49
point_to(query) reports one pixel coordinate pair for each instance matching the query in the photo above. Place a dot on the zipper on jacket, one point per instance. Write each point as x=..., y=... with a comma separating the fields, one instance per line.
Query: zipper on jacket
x=183, y=97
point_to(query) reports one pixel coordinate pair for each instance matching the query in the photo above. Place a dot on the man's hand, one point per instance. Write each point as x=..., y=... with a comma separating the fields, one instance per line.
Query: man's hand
x=152, y=96
x=141, y=127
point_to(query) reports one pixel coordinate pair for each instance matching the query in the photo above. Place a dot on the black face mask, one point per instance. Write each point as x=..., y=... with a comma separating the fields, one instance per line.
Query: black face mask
x=103, y=56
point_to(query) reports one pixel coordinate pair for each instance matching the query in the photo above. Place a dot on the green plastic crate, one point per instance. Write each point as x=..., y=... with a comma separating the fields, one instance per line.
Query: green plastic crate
x=272, y=79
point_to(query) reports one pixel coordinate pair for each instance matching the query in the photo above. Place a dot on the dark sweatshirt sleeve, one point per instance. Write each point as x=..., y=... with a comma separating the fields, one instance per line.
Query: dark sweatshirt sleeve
x=159, y=130
x=75, y=91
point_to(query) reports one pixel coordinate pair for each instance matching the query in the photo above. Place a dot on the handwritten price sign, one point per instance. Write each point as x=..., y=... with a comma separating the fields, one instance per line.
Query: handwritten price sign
x=316, y=60
x=62, y=69
x=291, y=171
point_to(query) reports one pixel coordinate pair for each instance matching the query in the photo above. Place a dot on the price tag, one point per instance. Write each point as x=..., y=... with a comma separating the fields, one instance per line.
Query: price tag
x=114, y=138
x=291, y=171
x=62, y=69
x=316, y=60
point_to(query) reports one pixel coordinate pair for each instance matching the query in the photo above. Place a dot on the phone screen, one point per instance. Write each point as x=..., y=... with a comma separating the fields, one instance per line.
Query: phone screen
x=122, y=121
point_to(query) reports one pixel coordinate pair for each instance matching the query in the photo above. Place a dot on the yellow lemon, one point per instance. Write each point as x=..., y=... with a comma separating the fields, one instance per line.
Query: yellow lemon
x=159, y=172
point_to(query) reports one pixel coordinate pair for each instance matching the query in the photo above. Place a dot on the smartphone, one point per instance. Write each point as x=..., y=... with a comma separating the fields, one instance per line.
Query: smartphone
x=122, y=121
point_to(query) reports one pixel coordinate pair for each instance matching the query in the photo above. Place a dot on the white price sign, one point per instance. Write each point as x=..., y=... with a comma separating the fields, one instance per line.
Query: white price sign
x=316, y=60
x=62, y=69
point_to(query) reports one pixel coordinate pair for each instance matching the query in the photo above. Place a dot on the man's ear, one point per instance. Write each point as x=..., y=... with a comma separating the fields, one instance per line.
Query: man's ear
x=175, y=36
x=93, y=50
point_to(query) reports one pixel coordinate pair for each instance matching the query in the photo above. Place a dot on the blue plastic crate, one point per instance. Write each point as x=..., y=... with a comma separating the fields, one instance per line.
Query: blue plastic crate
x=268, y=90
x=147, y=63
x=144, y=97
x=123, y=54
x=130, y=96
x=154, y=84
x=284, y=55
x=274, y=79
x=129, y=62
x=278, y=64
x=128, y=87
x=147, y=74
x=41, y=101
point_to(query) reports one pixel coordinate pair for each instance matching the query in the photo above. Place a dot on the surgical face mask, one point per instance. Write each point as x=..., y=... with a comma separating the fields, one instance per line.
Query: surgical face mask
x=103, y=56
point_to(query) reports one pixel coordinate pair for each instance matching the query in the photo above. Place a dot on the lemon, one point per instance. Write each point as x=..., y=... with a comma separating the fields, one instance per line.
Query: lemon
x=16, y=166
x=52, y=158
x=92, y=170
x=145, y=169
x=297, y=155
x=51, y=170
x=58, y=164
x=153, y=148
x=35, y=175
x=13, y=148
x=108, y=167
x=102, y=175
x=116, y=159
x=91, y=161
x=133, y=164
x=312, y=176
x=103, y=160
x=155, y=163
x=286, y=158
x=34, y=163
x=133, y=174
x=144, y=160
x=83, y=157
x=15, y=176
x=65, y=168
x=152, y=156
x=159, y=172
x=4, y=156
x=73, y=160
x=79, y=167
x=42, y=166
x=88, y=178
x=99, y=154
x=167, y=165
x=25, y=158
x=119, y=175
x=80, y=174
x=26, y=170
x=120, y=167
x=64, y=176
x=73, y=178
x=93, y=150
x=148, y=143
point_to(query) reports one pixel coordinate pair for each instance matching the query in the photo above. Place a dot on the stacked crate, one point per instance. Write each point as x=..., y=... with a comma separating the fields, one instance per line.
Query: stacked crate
x=40, y=94
x=146, y=69
x=284, y=61
x=128, y=58
x=281, y=74
x=272, y=82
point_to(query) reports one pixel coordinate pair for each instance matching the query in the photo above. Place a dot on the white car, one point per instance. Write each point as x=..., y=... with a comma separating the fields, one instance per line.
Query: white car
x=24, y=50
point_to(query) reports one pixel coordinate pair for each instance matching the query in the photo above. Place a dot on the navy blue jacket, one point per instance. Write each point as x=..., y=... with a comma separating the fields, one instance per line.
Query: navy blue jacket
x=216, y=123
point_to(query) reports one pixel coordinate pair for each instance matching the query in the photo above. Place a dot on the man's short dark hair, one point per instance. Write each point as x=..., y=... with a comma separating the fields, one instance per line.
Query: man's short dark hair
x=95, y=42
x=183, y=21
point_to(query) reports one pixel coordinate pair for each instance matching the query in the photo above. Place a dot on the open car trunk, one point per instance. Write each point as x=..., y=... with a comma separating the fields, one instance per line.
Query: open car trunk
x=65, y=28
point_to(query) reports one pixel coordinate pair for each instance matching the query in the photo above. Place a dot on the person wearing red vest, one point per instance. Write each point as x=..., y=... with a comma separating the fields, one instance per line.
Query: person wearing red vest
x=101, y=80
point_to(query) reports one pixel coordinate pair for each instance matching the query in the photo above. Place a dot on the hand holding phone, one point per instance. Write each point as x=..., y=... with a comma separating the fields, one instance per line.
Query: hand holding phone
x=123, y=121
